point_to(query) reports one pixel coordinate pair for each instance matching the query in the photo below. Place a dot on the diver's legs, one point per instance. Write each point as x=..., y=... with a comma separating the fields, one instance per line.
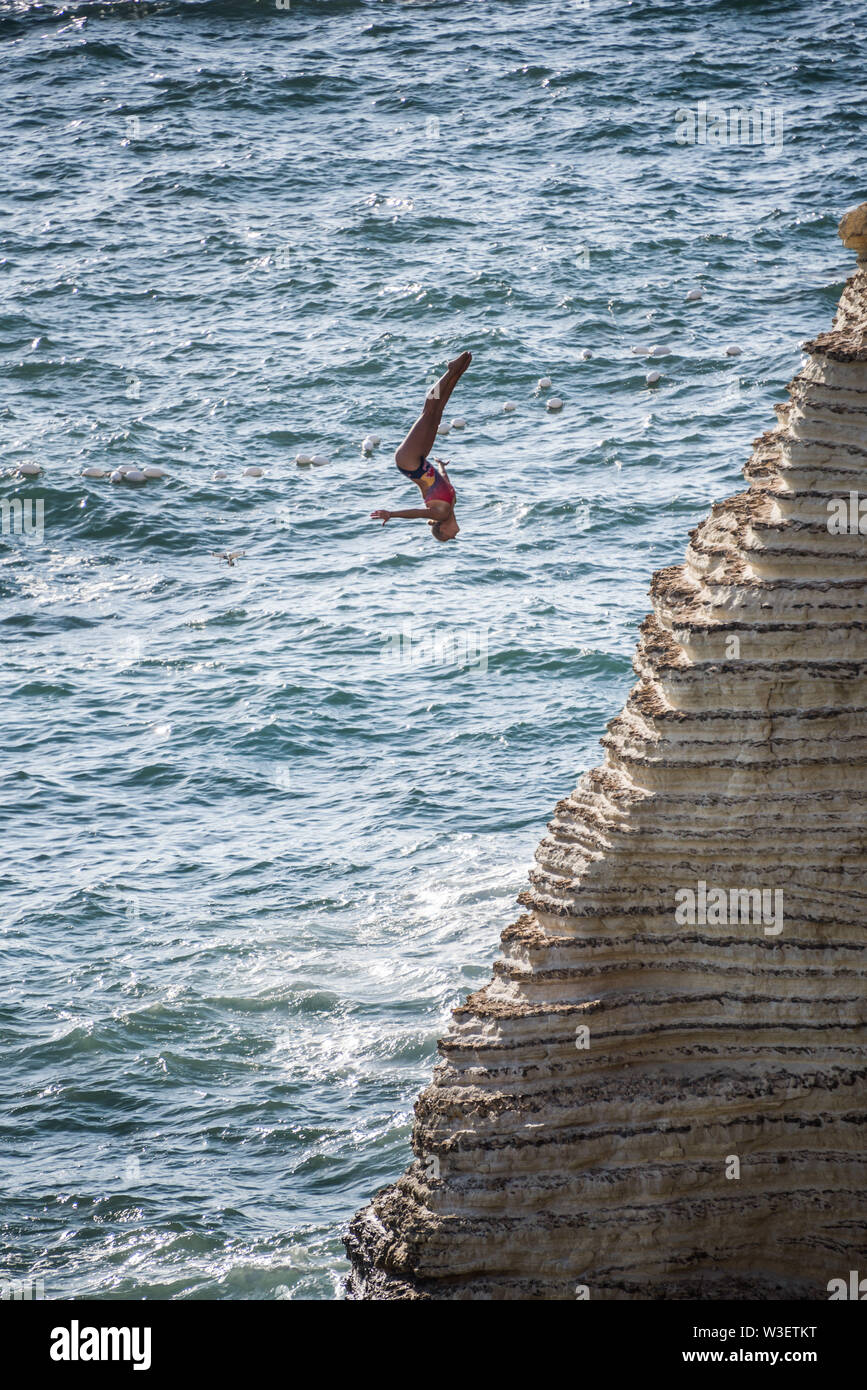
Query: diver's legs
x=420, y=440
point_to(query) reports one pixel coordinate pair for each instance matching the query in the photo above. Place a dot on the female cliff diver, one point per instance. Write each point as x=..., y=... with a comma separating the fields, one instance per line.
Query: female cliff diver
x=411, y=458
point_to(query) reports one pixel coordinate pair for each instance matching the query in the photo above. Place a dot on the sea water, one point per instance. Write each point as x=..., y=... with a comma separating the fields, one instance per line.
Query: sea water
x=264, y=821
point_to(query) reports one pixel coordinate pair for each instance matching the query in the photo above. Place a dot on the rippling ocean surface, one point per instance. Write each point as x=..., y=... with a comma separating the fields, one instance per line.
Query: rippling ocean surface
x=258, y=838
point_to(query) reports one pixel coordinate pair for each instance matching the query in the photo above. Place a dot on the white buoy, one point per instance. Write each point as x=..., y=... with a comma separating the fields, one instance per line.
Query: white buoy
x=152, y=471
x=586, y=354
x=639, y=351
x=658, y=352
x=117, y=476
x=29, y=470
x=444, y=429
x=219, y=475
x=733, y=351
x=133, y=476
x=93, y=473
x=508, y=407
x=319, y=460
x=544, y=383
x=375, y=440
x=693, y=297
x=303, y=460
x=653, y=377
x=553, y=403
x=367, y=445
x=252, y=472
x=459, y=423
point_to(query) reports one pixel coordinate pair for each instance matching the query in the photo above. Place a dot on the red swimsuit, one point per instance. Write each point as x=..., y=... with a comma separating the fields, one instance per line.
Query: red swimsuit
x=433, y=481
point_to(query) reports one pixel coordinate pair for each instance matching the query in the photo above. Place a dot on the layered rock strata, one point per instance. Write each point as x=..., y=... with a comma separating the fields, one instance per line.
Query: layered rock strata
x=662, y=1093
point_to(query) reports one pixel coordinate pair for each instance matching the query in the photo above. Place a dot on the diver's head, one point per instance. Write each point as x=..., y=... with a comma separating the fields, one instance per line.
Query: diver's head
x=445, y=530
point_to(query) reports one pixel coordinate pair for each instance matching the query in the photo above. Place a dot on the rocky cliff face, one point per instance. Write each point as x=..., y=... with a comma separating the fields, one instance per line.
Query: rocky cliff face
x=662, y=1093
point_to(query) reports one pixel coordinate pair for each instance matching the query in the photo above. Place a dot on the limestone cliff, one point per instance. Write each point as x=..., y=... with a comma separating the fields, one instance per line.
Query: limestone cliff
x=662, y=1093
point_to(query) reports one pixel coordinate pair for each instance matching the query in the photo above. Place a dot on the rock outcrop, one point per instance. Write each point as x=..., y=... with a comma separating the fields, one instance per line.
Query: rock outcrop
x=662, y=1093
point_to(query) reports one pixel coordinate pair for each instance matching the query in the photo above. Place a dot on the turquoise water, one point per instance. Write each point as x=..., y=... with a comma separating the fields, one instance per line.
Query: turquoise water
x=256, y=846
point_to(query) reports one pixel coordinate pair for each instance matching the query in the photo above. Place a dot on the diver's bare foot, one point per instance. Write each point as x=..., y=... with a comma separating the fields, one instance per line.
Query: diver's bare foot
x=449, y=380
x=459, y=365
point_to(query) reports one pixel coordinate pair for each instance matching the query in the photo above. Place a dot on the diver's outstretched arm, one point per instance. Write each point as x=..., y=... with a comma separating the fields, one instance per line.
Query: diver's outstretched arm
x=408, y=514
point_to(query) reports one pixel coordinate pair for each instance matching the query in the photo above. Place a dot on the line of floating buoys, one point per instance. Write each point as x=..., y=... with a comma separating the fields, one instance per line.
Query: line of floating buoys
x=129, y=473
